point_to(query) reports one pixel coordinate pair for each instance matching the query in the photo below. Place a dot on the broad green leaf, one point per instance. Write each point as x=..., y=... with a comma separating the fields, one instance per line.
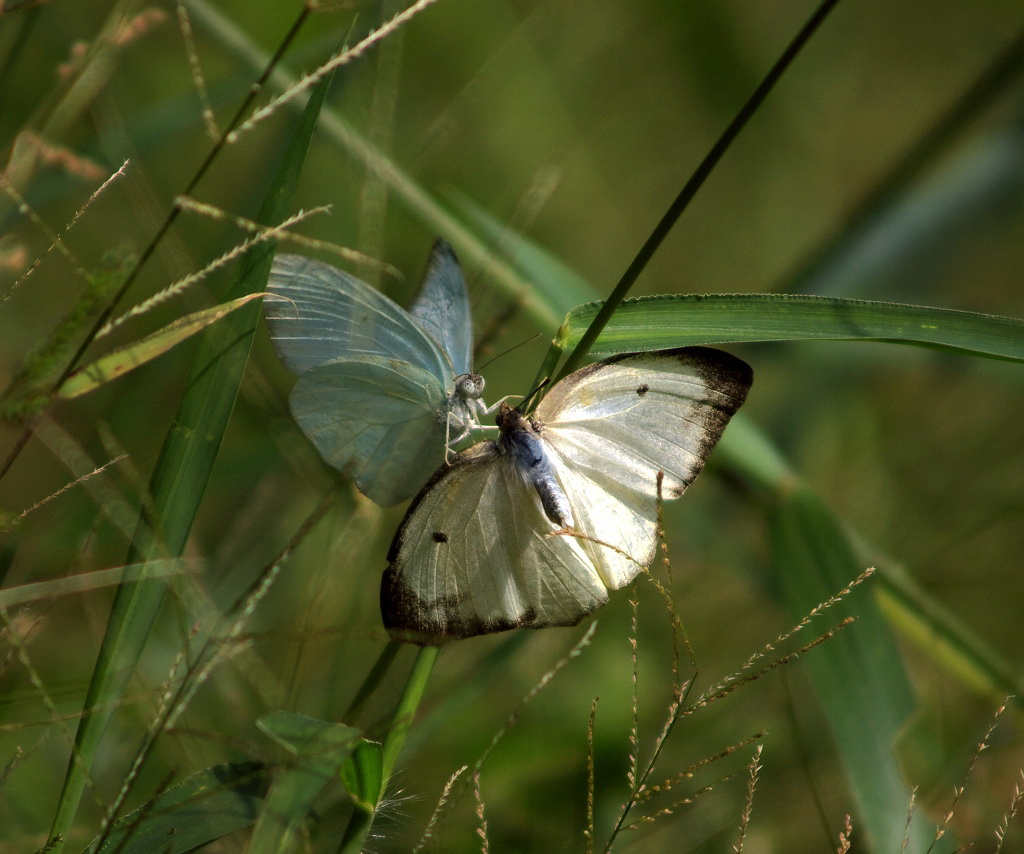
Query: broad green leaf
x=205, y=807
x=657, y=322
x=320, y=749
x=363, y=775
x=858, y=673
x=180, y=478
x=125, y=359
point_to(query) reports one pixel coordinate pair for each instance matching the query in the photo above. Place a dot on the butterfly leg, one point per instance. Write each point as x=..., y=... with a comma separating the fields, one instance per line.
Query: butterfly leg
x=487, y=410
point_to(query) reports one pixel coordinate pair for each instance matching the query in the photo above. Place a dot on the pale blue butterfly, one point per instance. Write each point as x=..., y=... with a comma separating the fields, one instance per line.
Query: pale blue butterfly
x=382, y=393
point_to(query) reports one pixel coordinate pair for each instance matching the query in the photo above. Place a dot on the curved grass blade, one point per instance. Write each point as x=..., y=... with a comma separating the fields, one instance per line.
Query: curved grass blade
x=207, y=806
x=657, y=322
x=179, y=480
x=124, y=359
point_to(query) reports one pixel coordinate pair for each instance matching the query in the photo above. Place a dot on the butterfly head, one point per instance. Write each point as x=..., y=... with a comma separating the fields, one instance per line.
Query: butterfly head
x=509, y=418
x=469, y=386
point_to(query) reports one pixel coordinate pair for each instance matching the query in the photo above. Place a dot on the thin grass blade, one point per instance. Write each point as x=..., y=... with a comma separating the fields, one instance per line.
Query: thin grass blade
x=180, y=478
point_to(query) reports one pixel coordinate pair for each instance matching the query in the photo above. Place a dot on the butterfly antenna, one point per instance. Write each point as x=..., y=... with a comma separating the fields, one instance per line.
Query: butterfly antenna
x=528, y=405
x=509, y=350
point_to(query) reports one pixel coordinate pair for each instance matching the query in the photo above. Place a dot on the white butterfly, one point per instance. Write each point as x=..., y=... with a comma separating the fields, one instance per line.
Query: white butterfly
x=382, y=393
x=534, y=528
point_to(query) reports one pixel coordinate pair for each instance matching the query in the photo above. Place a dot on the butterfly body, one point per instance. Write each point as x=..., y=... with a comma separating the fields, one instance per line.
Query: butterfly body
x=534, y=528
x=520, y=440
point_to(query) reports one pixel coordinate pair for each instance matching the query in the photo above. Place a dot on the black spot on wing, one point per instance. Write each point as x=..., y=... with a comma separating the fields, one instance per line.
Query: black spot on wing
x=439, y=537
x=642, y=389
x=470, y=456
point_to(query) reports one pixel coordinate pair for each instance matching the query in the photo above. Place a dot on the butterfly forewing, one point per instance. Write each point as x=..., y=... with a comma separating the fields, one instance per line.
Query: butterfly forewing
x=633, y=415
x=442, y=307
x=377, y=386
x=319, y=313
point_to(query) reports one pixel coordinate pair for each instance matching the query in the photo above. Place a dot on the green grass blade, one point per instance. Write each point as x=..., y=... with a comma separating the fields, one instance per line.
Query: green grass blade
x=858, y=674
x=319, y=749
x=415, y=686
x=119, y=362
x=653, y=323
x=180, y=478
x=423, y=206
x=207, y=806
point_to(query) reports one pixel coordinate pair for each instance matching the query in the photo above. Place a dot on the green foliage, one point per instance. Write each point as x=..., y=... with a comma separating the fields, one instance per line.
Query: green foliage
x=27, y=393
x=544, y=142
x=207, y=806
x=319, y=750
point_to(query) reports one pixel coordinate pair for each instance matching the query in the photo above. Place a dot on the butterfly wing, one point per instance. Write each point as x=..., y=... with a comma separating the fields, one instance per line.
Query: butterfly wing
x=612, y=426
x=442, y=306
x=375, y=419
x=317, y=313
x=374, y=388
x=475, y=554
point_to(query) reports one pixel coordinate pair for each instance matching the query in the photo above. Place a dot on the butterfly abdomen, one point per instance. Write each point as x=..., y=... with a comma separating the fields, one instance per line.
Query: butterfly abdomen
x=522, y=444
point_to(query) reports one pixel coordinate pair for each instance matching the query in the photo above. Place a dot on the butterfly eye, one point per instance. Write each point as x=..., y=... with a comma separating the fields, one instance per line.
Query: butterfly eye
x=470, y=386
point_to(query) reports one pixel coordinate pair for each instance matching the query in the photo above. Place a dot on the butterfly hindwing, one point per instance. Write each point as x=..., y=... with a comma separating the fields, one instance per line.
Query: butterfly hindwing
x=375, y=419
x=476, y=552
x=455, y=572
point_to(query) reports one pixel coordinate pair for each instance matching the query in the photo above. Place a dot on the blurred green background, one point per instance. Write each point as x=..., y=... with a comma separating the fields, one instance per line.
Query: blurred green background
x=572, y=125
